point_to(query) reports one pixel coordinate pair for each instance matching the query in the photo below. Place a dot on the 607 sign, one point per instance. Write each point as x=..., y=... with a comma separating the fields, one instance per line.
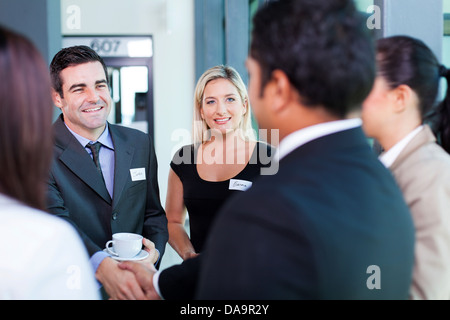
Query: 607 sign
x=105, y=47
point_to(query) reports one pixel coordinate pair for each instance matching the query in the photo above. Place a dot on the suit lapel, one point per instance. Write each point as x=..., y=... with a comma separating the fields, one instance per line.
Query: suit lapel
x=124, y=152
x=75, y=157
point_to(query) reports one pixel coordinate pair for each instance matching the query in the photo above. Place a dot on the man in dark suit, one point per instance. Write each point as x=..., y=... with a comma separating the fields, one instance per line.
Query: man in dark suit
x=332, y=223
x=108, y=190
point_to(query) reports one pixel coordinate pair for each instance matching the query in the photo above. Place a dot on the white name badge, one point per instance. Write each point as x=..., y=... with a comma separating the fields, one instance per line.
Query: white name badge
x=137, y=174
x=240, y=185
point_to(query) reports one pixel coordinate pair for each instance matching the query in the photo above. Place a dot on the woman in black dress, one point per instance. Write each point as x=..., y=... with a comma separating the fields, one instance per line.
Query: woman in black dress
x=224, y=159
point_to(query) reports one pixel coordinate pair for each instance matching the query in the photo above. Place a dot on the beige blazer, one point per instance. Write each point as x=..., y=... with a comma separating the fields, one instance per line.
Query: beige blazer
x=422, y=171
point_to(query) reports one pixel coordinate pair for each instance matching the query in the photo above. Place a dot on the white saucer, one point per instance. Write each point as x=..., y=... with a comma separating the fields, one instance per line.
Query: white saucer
x=140, y=256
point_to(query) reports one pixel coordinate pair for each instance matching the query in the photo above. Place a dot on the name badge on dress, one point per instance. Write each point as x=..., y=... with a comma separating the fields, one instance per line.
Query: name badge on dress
x=137, y=174
x=240, y=185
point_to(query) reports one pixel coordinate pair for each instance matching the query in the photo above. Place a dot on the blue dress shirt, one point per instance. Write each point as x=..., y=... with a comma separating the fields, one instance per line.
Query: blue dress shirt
x=107, y=163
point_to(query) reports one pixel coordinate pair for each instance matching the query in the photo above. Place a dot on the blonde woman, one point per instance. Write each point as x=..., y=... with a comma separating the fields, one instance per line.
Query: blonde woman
x=225, y=158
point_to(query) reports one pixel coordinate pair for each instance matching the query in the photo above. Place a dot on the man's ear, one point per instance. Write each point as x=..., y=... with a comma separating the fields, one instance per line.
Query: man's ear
x=280, y=89
x=57, y=100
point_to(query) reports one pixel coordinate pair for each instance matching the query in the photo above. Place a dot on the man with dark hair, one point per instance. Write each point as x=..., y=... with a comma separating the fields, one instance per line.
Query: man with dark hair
x=332, y=223
x=107, y=190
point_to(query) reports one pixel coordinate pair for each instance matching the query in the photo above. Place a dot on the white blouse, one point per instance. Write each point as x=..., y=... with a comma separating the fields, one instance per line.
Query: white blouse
x=42, y=256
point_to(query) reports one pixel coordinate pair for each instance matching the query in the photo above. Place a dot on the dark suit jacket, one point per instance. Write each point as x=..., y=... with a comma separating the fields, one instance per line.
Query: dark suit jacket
x=77, y=193
x=318, y=229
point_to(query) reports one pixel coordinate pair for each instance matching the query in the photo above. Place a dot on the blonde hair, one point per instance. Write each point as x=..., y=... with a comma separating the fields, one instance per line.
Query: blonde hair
x=200, y=128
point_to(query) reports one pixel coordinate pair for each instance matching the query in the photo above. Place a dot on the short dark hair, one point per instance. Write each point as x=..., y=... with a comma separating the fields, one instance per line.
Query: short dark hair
x=26, y=137
x=69, y=57
x=324, y=48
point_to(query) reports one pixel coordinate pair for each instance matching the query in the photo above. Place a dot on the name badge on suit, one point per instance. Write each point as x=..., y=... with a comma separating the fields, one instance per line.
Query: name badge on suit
x=137, y=174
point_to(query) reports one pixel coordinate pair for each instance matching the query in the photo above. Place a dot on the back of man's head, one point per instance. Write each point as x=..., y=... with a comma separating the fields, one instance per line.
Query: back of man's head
x=324, y=48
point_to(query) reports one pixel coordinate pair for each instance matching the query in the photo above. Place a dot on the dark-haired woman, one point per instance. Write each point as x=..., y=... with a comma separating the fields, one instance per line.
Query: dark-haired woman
x=405, y=89
x=42, y=256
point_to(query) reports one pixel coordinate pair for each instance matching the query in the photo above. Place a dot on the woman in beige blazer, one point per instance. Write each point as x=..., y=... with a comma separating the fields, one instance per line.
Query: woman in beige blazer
x=405, y=89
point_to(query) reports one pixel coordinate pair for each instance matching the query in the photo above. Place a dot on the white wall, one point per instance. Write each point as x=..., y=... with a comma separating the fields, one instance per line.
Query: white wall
x=171, y=23
x=446, y=6
x=362, y=5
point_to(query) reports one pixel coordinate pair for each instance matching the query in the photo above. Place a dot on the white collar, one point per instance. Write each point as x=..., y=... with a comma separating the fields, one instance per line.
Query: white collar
x=105, y=138
x=302, y=136
x=388, y=157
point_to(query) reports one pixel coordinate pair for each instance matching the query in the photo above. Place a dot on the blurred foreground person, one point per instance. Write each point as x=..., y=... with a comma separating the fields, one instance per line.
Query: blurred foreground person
x=42, y=256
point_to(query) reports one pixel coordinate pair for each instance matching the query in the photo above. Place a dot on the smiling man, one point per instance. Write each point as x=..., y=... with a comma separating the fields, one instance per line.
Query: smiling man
x=86, y=102
x=110, y=189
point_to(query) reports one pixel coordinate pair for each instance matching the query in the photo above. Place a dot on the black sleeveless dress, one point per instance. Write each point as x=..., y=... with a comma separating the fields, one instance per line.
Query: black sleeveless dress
x=202, y=198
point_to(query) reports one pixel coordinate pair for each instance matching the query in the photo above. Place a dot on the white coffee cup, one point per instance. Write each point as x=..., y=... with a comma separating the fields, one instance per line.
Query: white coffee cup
x=125, y=245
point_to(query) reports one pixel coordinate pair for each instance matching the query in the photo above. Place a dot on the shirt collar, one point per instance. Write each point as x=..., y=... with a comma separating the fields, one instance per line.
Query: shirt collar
x=302, y=136
x=105, y=138
x=388, y=157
